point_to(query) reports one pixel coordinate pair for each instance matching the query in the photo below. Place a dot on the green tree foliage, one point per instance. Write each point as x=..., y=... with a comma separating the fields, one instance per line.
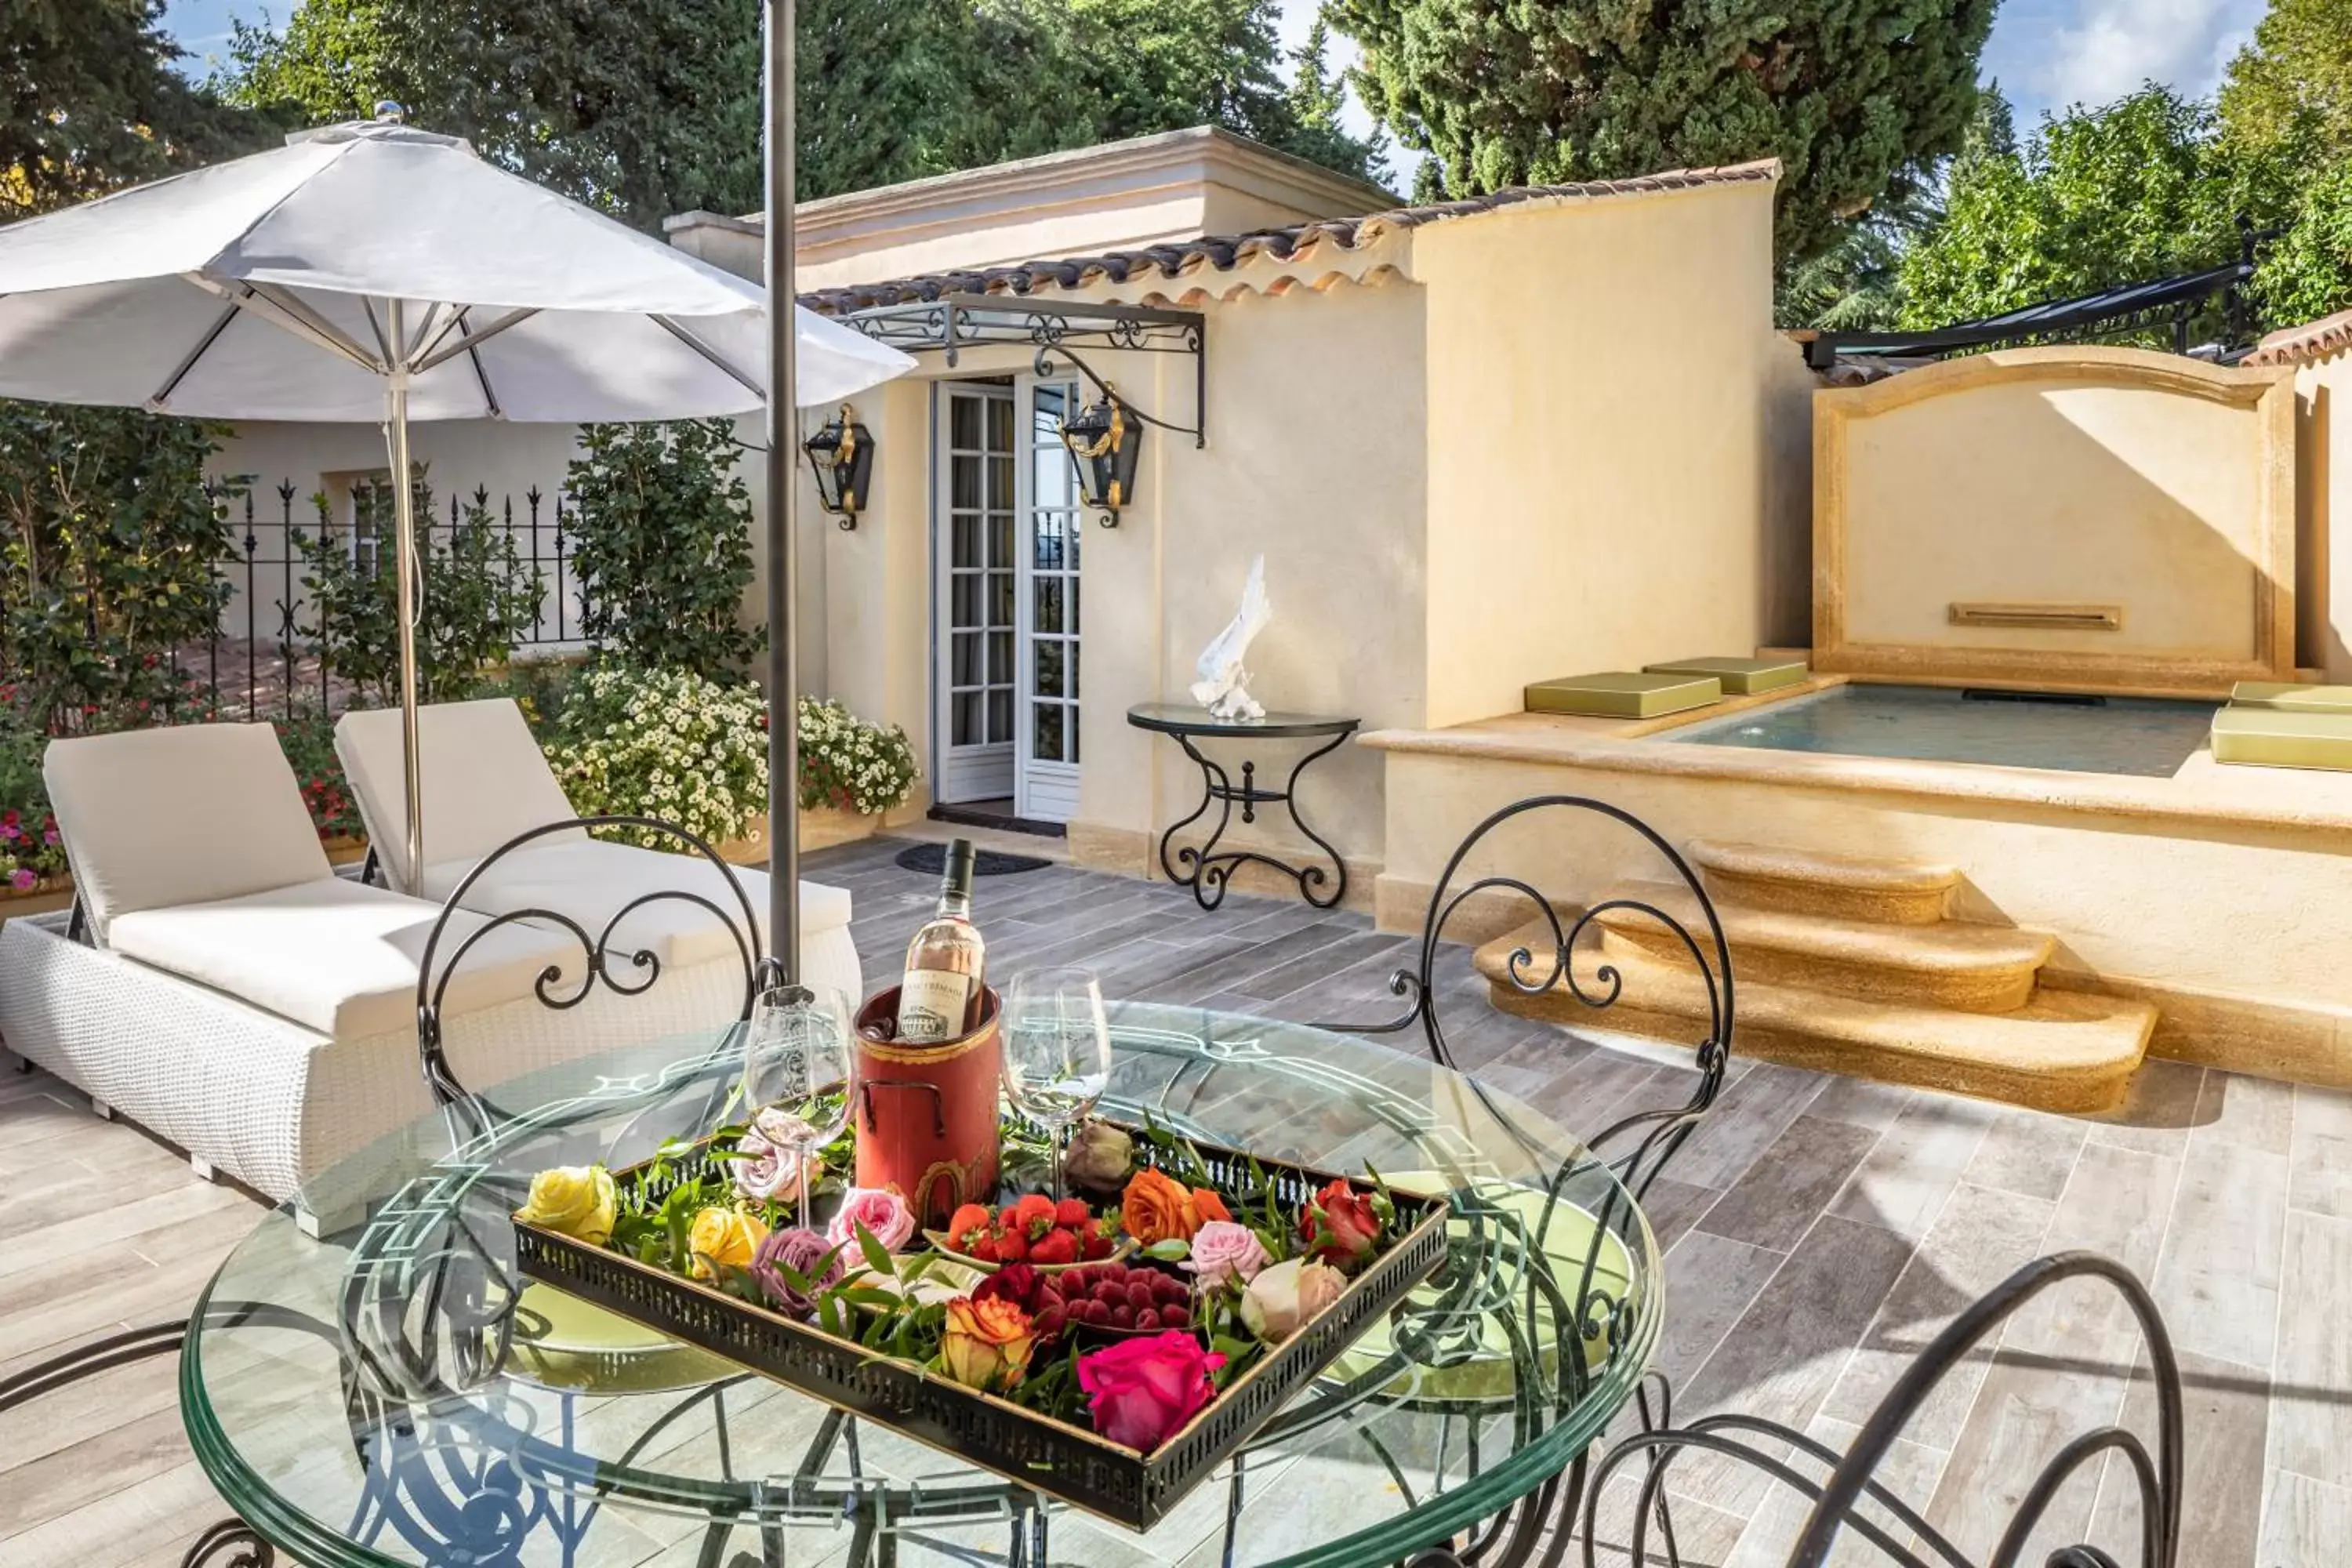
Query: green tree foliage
x=107, y=543
x=2291, y=89
x=1855, y=97
x=479, y=597
x=661, y=524
x=88, y=101
x=648, y=107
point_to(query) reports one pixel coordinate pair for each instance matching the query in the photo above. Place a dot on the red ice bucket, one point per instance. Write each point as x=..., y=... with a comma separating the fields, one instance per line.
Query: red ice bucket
x=925, y=1115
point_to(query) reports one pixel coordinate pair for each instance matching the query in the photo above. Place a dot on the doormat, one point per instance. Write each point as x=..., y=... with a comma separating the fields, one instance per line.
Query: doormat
x=932, y=860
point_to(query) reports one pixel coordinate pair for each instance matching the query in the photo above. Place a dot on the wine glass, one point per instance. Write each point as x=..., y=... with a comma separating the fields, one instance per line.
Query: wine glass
x=800, y=1059
x=1056, y=1050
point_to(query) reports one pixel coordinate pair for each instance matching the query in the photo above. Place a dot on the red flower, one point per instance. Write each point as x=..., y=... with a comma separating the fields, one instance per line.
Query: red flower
x=1016, y=1282
x=1340, y=1225
x=1141, y=1392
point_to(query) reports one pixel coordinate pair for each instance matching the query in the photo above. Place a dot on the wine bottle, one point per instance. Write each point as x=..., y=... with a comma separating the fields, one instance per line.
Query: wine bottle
x=938, y=996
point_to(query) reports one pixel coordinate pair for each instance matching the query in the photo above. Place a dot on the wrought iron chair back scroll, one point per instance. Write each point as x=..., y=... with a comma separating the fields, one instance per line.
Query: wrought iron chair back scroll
x=626, y=970
x=1656, y=1134
x=1911, y=1541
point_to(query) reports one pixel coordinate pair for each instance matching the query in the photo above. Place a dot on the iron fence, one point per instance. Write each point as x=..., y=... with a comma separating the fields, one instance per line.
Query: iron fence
x=266, y=655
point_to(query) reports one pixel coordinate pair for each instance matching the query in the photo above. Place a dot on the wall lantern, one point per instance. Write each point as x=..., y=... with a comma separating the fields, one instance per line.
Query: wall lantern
x=1106, y=440
x=842, y=457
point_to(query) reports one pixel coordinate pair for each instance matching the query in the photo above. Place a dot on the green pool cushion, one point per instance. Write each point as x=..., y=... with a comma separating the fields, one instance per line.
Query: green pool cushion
x=2291, y=697
x=1623, y=694
x=1740, y=677
x=2284, y=738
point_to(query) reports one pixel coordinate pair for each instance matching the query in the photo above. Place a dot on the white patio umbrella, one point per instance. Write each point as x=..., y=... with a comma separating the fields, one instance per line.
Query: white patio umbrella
x=377, y=271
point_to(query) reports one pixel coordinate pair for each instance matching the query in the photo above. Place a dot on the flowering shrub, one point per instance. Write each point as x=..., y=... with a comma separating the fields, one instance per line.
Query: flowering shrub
x=309, y=745
x=849, y=763
x=663, y=743
x=30, y=852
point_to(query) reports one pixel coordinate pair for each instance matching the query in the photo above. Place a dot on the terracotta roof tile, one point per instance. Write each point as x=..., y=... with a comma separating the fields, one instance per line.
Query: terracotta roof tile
x=1225, y=252
x=2300, y=346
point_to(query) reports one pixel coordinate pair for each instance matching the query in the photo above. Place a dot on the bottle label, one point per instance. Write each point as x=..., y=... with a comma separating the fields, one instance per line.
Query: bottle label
x=931, y=1004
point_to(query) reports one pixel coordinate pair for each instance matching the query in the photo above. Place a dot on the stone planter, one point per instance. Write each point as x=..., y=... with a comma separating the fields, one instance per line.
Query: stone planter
x=819, y=829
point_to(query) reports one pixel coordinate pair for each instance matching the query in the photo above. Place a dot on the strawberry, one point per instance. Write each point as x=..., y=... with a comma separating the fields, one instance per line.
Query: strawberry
x=1034, y=1214
x=984, y=1249
x=1055, y=1247
x=1095, y=1246
x=1013, y=1248
x=968, y=1226
x=1072, y=1213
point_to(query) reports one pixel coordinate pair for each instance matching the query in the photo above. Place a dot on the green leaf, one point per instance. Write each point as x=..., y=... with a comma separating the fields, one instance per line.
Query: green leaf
x=878, y=1256
x=1169, y=1249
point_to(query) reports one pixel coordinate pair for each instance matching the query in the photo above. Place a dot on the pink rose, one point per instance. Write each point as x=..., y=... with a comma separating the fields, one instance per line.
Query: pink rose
x=768, y=1171
x=1140, y=1392
x=883, y=1213
x=800, y=1252
x=1224, y=1250
x=1286, y=1294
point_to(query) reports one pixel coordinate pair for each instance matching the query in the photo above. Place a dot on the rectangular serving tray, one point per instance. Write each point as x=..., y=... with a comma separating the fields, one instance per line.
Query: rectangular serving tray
x=1067, y=1462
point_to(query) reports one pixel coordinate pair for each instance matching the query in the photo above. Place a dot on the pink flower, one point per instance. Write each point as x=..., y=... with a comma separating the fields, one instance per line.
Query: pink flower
x=800, y=1251
x=1285, y=1294
x=883, y=1213
x=769, y=1172
x=24, y=880
x=1224, y=1250
x=1140, y=1392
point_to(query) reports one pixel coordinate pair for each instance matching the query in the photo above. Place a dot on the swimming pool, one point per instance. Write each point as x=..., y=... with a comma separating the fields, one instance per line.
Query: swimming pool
x=2136, y=735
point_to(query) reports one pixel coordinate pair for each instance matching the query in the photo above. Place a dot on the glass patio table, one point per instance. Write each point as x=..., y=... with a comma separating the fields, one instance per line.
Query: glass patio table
x=396, y=1395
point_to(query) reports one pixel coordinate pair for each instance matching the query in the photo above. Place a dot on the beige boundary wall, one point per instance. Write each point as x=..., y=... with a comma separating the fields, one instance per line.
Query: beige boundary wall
x=2224, y=898
x=2139, y=506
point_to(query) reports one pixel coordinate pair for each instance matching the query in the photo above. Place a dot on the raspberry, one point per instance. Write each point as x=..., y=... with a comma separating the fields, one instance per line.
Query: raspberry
x=1122, y=1316
x=1176, y=1315
x=1111, y=1293
x=1147, y=1318
x=1167, y=1287
x=1071, y=1212
x=1140, y=1295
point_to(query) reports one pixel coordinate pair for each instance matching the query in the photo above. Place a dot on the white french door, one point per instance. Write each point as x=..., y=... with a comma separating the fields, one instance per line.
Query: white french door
x=1005, y=540
x=976, y=592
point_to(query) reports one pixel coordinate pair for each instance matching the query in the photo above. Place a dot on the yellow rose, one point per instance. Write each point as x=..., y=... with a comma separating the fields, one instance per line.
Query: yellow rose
x=723, y=1236
x=576, y=1201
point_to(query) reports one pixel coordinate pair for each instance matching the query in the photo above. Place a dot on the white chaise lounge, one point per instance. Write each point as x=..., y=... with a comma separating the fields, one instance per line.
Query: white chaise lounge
x=237, y=997
x=486, y=781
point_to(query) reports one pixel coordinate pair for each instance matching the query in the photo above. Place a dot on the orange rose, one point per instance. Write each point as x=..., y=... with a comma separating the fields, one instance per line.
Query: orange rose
x=1158, y=1207
x=987, y=1343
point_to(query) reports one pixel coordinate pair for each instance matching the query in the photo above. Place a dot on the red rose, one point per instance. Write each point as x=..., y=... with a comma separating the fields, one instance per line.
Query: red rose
x=1339, y=1226
x=1016, y=1282
x=1140, y=1393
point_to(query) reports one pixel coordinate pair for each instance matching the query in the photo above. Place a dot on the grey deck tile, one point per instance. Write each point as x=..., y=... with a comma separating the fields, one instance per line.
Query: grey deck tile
x=1673, y=1207
x=1743, y=1123
x=1237, y=968
x=2305, y=1523
x=2157, y=1111
x=1909, y=1470
x=1860, y=1101
x=1786, y=1352
x=1710, y=1281
x=2311, y=1409
x=2258, y=1112
x=2320, y=1157
x=1981, y=1237
x=1304, y=972
x=2028, y=1151
x=2218, y=1281
x=1916, y=1164
x=2226, y=1407
x=1776, y=1201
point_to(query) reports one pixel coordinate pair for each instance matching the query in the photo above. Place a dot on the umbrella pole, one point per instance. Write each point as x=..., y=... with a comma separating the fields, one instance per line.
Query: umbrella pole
x=403, y=511
x=783, y=445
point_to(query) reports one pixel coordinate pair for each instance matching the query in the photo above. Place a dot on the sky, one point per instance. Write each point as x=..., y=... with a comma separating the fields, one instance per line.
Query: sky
x=2045, y=53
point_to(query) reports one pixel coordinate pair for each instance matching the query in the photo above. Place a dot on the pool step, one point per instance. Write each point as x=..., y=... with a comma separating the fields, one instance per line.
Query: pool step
x=1967, y=968
x=1835, y=887
x=2064, y=1051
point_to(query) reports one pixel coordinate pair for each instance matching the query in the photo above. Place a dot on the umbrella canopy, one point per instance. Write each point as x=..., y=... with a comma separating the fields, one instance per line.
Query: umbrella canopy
x=260, y=289
x=373, y=270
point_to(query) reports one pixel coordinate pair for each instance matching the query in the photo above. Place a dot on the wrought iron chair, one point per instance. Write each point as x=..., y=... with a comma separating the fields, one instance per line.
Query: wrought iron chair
x=1838, y=1500
x=627, y=971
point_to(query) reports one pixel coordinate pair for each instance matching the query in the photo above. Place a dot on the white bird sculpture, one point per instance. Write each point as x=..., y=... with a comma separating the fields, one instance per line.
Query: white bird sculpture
x=1223, y=686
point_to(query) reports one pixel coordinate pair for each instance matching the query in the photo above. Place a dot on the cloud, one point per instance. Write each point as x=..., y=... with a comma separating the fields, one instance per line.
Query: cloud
x=2110, y=46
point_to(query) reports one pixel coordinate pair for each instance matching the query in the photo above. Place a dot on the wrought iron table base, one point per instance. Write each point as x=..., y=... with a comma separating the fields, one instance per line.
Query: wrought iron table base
x=1205, y=867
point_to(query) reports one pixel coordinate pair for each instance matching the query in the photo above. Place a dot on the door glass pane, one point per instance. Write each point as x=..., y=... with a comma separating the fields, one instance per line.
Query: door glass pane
x=1073, y=692
x=965, y=607
x=1049, y=668
x=967, y=719
x=999, y=598
x=963, y=422
x=1000, y=659
x=1000, y=425
x=1000, y=484
x=1073, y=710
x=963, y=482
x=966, y=662
x=1049, y=605
x=1000, y=540
x=999, y=714
x=1075, y=597
x=967, y=541
x=1045, y=743
x=1050, y=546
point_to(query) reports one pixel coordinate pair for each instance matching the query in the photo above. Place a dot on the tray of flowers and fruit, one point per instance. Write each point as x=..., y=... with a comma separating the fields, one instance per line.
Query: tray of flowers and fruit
x=1109, y=1357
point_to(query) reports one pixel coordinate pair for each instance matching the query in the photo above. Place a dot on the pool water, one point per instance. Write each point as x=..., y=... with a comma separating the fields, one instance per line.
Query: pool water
x=2135, y=735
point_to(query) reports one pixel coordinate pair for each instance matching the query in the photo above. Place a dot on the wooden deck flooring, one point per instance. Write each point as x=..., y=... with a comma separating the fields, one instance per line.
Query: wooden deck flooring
x=1819, y=1230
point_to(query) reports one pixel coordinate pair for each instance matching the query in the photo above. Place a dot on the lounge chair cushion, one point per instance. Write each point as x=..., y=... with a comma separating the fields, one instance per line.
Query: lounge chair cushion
x=591, y=881
x=485, y=780
x=340, y=957
x=188, y=814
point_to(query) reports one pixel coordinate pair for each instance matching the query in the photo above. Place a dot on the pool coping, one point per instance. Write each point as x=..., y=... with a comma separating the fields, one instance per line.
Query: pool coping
x=2203, y=793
